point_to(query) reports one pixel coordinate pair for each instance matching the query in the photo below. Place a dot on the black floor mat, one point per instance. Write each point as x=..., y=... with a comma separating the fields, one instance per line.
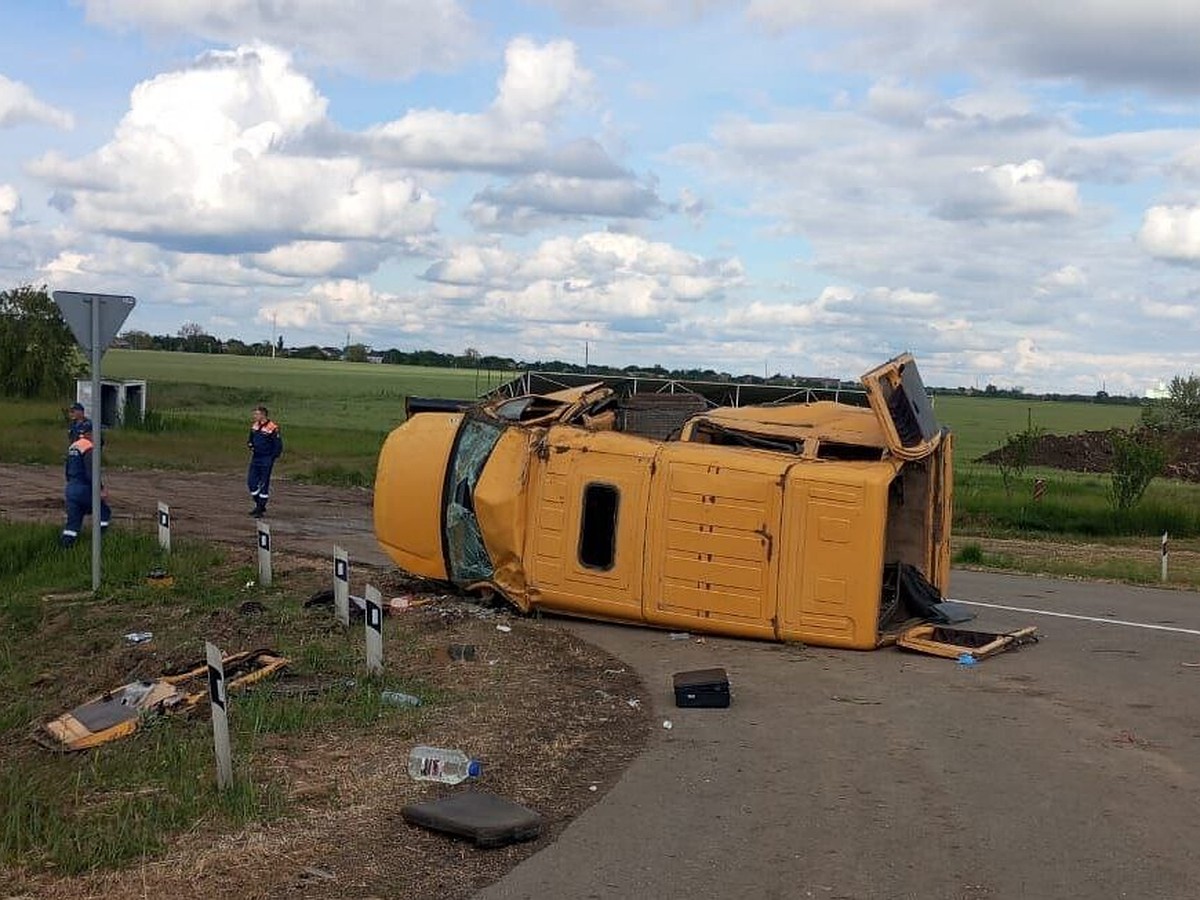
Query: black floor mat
x=486, y=819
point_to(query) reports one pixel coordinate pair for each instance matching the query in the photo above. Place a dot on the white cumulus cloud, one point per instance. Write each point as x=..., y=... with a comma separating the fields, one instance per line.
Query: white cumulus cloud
x=10, y=203
x=1012, y=190
x=1172, y=233
x=19, y=106
x=204, y=161
x=384, y=37
x=539, y=81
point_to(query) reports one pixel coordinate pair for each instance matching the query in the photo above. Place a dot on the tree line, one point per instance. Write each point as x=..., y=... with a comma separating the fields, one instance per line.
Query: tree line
x=39, y=358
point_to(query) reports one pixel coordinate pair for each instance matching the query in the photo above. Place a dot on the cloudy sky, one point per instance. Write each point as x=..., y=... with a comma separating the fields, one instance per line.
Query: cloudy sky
x=1010, y=189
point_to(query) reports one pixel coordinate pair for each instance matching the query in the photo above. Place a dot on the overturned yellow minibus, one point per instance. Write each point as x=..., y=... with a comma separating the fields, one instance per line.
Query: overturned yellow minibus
x=819, y=522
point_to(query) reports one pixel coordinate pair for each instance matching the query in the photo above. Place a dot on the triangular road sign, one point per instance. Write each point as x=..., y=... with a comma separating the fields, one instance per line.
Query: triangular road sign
x=77, y=310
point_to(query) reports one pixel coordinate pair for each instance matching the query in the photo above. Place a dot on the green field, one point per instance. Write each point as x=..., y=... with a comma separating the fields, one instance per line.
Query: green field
x=981, y=424
x=301, y=393
x=336, y=415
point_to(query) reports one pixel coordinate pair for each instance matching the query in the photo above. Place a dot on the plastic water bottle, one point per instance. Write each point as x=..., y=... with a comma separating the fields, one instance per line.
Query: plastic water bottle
x=438, y=764
x=399, y=698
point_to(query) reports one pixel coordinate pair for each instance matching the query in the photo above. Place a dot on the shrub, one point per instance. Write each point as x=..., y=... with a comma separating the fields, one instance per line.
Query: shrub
x=1138, y=456
x=1016, y=453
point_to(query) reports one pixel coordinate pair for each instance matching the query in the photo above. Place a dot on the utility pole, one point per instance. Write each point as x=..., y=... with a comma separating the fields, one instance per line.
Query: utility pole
x=585, y=357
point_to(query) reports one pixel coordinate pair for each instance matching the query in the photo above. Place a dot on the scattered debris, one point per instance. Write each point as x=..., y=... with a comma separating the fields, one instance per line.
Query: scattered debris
x=679, y=636
x=1195, y=665
x=120, y=712
x=461, y=652
x=139, y=637
x=504, y=628
x=486, y=819
x=667, y=724
x=633, y=703
x=861, y=701
x=956, y=643
x=312, y=873
x=1126, y=736
x=406, y=602
x=159, y=578
x=399, y=698
x=303, y=687
x=702, y=688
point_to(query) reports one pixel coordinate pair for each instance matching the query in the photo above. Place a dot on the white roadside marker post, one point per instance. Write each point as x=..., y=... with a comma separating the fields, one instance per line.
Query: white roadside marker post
x=220, y=721
x=1164, y=556
x=341, y=585
x=164, y=526
x=264, y=554
x=374, y=626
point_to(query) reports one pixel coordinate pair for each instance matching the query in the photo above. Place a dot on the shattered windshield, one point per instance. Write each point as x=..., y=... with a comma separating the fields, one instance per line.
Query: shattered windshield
x=466, y=556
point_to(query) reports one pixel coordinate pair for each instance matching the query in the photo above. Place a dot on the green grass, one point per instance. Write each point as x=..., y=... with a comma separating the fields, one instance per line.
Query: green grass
x=1074, y=504
x=60, y=645
x=301, y=393
x=334, y=415
x=982, y=424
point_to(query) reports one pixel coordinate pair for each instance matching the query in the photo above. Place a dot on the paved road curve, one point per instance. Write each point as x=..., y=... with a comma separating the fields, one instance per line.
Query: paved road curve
x=1070, y=769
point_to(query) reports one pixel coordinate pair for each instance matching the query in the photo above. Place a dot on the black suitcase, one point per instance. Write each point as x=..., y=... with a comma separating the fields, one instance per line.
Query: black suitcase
x=707, y=688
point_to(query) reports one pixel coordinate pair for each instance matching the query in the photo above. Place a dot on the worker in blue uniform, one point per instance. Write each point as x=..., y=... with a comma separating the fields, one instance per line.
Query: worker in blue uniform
x=79, y=489
x=79, y=423
x=265, y=443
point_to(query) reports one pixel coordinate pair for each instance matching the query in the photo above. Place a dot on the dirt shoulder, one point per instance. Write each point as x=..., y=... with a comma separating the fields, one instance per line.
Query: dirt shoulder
x=305, y=519
x=555, y=720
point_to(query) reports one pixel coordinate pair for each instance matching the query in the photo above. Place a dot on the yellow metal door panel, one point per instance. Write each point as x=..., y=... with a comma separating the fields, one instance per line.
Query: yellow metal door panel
x=719, y=573
x=719, y=480
x=548, y=489
x=727, y=512
x=831, y=553
x=560, y=576
x=705, y=601
x=692, y=539
x=553, y=516
x=711, y=538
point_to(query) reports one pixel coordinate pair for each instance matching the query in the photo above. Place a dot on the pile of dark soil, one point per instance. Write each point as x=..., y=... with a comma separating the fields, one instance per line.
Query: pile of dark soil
x=1091, y=451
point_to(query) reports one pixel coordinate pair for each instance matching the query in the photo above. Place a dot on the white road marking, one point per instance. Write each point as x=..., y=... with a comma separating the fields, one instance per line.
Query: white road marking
x=1062, y=615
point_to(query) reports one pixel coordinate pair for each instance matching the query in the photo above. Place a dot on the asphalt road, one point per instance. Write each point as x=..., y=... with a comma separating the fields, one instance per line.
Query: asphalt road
x=1069, y=769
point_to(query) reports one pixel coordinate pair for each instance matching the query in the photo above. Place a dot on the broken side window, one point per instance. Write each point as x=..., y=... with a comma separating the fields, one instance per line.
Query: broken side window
x=467, y=560
x=598, y=526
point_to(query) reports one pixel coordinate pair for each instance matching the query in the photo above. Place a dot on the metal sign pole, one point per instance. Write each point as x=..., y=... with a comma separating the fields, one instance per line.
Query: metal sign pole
x=98, y=427
x=374, y=625
x=94, y=320
x=164, y=526
x=264, y=554
x=1164, y=556
x=220, y=720
x=341, y=585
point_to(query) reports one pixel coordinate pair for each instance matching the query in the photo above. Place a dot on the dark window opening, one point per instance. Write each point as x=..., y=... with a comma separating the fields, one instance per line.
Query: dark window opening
x=848, y=452
x=598, y=530
x=711, y=433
